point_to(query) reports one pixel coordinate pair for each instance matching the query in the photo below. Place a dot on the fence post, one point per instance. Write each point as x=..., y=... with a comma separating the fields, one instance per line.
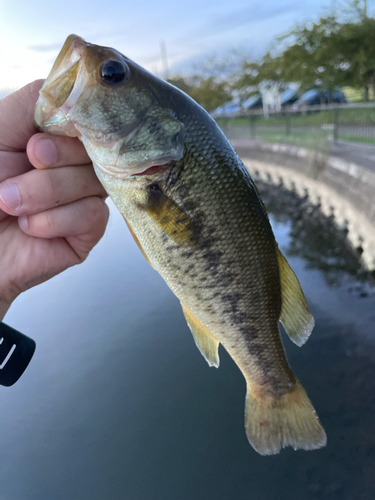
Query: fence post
x=253, y=132
x=225, y=125
x=335, y=124
x=287, y=123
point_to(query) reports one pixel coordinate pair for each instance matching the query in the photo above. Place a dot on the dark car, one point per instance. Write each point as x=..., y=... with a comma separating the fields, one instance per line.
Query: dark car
x=255, y=101
x=289, y=96
x=337, y=96
x=226, y=109
x=315, y=97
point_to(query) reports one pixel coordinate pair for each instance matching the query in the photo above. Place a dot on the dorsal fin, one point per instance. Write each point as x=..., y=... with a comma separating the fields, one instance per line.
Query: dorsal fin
x=295, y=315
x=205, y=341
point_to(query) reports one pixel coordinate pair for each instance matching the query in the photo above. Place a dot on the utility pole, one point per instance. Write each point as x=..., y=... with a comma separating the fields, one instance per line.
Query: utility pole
x=164, y=59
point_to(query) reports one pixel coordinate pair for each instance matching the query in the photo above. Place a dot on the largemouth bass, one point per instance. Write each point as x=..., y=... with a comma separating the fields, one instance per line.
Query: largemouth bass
x=195, y=213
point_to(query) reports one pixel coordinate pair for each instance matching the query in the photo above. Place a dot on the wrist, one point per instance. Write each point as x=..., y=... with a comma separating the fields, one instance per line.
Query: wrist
x=8, y=295
x=4, y=306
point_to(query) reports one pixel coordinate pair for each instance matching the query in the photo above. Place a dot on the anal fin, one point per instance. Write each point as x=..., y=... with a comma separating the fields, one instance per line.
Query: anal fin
x=205, y=341
x=295, y=315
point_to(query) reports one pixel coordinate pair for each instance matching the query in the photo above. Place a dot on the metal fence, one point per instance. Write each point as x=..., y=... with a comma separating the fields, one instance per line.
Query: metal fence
x=313, y=124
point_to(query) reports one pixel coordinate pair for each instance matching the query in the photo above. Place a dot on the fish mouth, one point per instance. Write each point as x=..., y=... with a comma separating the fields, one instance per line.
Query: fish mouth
x=74, y=72
x=66, y=82
x=62, y=88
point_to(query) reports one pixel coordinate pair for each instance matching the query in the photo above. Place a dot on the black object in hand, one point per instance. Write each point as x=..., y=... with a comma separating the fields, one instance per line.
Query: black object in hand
x=16, y=351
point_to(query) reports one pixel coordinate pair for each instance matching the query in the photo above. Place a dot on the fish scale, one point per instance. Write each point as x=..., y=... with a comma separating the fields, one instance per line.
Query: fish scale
x=244, y=244
x=195, y=212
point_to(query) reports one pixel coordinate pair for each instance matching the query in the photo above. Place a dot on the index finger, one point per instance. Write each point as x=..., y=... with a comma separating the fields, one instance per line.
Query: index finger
x=47, y=151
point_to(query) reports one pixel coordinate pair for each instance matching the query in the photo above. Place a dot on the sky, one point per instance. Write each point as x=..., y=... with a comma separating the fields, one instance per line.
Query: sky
x=32, y=33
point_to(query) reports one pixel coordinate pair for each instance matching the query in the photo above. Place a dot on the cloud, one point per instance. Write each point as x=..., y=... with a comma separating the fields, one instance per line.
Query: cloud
x=250, y=15
x=47, y=47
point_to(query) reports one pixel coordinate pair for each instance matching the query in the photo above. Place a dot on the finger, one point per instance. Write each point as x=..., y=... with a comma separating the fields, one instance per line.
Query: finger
x=12, y=164
x=3, y=215
x=17, y=117
x=45, y=151
x=87, y=217
x=40, y=190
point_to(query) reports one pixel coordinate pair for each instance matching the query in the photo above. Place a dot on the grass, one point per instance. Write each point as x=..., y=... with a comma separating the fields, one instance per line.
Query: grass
x=356, y=138
x=316, y=140
x=311, y=139
x=348, y=116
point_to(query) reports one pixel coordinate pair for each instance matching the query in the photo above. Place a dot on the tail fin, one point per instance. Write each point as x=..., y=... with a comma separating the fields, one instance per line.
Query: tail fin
x=289, y=421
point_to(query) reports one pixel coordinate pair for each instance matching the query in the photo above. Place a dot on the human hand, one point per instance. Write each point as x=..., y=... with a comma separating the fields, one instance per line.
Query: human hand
x=52, y=209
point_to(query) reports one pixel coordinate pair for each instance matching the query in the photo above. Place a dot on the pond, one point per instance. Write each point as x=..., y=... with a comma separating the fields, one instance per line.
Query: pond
x=118, y=403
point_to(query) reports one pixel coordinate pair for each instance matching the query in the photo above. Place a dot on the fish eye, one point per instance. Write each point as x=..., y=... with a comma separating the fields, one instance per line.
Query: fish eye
x=114, y=72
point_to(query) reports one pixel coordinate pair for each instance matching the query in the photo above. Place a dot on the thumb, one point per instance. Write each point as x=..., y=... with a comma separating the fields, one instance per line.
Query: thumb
x=17, y=117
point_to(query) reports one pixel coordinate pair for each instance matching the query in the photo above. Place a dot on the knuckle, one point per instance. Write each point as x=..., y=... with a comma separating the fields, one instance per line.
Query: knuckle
x=51, y=186
x=97, y=211
x=41, y=224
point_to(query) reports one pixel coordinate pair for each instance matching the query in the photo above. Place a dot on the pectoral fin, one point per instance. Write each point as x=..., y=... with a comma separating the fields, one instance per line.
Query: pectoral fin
x=170, y=217
x=137, y=241
x=295, y=315
x=206, y=342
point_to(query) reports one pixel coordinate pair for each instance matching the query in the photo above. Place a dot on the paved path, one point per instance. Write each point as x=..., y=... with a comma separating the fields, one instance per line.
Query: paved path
x=352, y=152
x=361, y=154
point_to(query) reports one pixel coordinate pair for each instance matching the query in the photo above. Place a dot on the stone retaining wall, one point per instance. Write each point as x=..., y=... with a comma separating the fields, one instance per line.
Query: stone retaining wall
x=344, y=190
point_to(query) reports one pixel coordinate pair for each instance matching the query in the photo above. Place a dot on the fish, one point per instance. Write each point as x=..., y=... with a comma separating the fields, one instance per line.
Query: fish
x=194, y=211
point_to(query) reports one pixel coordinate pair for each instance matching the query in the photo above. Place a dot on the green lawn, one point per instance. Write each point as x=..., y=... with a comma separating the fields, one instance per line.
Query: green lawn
x=356, y=138
x=311, y=139
x=314, y=138
x=349, y=116
x=317, y=140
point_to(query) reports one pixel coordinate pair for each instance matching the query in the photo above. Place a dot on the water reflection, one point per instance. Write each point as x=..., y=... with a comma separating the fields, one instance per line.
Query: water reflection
x=314, y=237
x=118, y=403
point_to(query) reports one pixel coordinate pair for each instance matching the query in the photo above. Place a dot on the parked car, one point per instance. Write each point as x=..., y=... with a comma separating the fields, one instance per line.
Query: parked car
x=315, y=97
x=231, y=107
x=310, y=98
x=289, y=96
x=338, y=97
x=226, y=109
x=217, y=112
x=255, y=101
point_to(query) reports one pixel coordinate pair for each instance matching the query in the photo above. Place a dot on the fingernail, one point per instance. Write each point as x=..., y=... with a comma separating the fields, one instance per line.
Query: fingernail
x=23, y=222
x=10, y=196
x=46, y=152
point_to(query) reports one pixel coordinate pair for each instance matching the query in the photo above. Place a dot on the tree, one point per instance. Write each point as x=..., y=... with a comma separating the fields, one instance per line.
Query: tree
x=350, y=11
x=253, y=73
x=313, y=59
x=356, y=49
x=208, y=92
x=180, y=83
x=212, y=82
x=327, y=53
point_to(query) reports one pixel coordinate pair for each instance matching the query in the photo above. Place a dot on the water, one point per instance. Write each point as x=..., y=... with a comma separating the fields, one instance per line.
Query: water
x=118, y=403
